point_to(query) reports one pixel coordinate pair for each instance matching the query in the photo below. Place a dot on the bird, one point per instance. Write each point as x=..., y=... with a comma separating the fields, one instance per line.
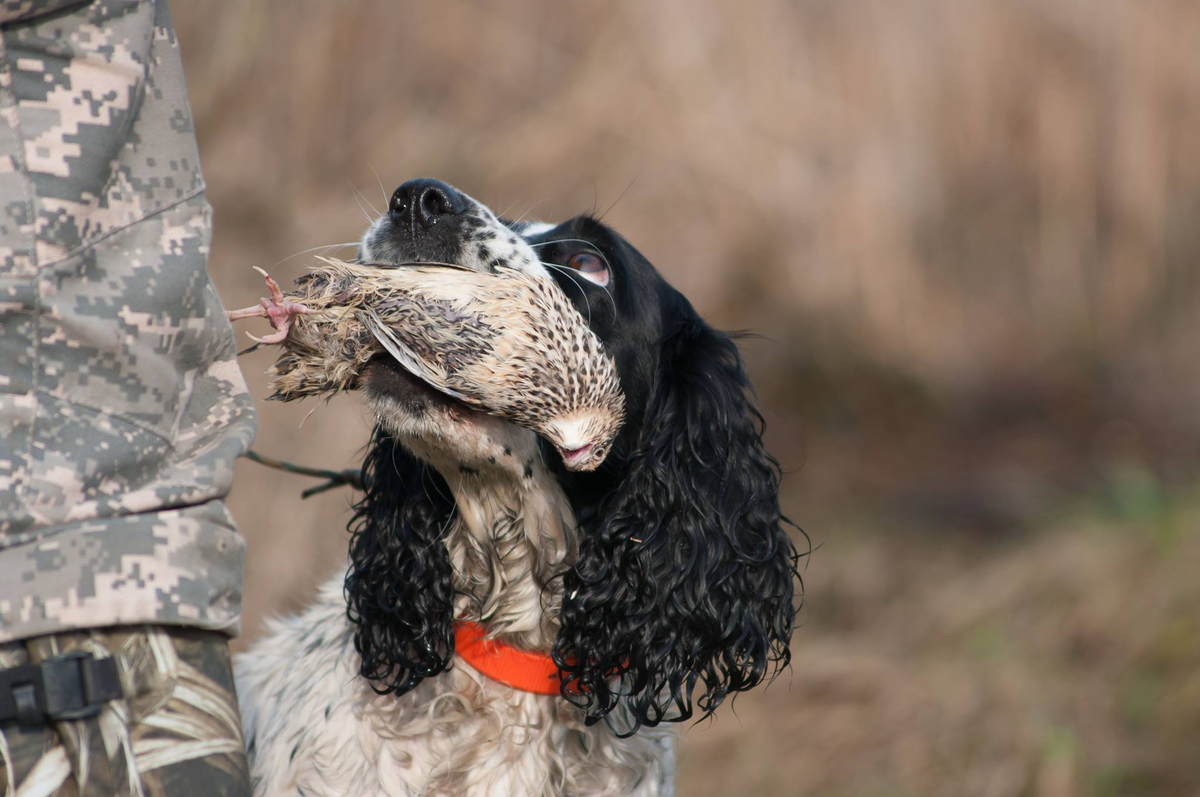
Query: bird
x=506, y=342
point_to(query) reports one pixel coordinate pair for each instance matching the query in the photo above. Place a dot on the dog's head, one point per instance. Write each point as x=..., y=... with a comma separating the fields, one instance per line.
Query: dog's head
x=685, y=578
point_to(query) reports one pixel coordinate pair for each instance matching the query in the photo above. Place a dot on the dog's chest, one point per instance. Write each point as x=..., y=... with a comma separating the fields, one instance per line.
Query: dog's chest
x=327, y=733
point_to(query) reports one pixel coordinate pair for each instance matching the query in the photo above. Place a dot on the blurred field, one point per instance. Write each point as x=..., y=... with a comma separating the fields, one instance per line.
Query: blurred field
x=968, y=232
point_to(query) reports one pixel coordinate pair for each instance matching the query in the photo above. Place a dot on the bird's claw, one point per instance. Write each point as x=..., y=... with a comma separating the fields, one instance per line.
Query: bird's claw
x=277, y=310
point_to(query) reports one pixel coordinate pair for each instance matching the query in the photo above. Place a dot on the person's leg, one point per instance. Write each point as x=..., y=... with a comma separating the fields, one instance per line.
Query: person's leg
x=176, y=732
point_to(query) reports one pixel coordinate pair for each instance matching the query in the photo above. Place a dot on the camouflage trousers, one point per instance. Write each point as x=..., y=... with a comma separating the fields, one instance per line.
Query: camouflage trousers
x=176, y=732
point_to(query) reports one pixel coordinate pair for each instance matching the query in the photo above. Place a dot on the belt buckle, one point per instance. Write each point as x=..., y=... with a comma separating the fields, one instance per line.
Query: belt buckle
x=65, y=687
x=70, y=686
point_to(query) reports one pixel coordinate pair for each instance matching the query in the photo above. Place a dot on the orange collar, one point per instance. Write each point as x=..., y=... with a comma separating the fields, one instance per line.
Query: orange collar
x=520, y=669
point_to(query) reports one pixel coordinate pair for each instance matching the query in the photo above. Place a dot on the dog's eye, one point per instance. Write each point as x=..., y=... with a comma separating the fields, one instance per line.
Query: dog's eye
x=590, y=266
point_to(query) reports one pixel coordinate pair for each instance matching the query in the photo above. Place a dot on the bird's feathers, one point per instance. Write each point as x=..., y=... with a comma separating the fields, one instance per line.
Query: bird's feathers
x=506, y=342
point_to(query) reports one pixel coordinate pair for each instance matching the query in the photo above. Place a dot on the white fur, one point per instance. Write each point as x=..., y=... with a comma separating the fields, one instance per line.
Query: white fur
x=535, y=228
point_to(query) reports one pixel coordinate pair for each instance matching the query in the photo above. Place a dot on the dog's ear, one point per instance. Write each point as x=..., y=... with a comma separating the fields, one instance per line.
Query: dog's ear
x=687, y=576
x=399, y=589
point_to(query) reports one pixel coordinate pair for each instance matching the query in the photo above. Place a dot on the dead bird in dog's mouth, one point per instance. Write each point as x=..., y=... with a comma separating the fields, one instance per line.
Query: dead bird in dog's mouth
x=505, y=342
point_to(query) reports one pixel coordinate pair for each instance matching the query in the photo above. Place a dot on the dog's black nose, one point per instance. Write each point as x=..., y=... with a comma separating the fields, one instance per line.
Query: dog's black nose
x=425, y=201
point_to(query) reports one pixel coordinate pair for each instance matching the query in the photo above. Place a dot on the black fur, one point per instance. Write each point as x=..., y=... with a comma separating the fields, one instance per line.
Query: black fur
x=686, y=584
x=399, y=588
x=685, y=573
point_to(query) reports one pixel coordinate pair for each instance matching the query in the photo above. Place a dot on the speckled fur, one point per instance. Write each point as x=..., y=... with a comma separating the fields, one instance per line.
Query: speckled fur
x=316, y=728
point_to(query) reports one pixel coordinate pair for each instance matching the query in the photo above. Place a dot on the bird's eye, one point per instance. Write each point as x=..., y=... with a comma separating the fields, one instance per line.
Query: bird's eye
x=590, y=267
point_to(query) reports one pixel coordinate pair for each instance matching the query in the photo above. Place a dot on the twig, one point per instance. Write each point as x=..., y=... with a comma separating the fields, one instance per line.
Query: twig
x=352, y=477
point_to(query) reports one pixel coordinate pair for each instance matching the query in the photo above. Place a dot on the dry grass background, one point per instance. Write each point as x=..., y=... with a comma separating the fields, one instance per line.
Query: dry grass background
x=968, y=232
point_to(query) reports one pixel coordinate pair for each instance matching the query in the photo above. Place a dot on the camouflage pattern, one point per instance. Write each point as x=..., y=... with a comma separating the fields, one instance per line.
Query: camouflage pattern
x=122, y=408
x=11, y=10
x=176, y=732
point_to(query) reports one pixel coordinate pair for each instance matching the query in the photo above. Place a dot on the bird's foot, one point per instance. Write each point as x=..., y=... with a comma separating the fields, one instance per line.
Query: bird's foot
x=277, y=310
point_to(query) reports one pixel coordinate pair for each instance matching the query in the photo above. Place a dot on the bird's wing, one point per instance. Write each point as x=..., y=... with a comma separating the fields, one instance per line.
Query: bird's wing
x=396, y=347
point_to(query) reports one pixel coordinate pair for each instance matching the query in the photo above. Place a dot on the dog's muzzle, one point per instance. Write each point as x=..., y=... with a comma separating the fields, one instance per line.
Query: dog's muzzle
x=424, y=203
x=426, y=222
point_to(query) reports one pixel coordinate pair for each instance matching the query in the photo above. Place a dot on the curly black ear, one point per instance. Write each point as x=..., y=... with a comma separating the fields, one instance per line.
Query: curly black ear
x=399, y=589
x=686, y=578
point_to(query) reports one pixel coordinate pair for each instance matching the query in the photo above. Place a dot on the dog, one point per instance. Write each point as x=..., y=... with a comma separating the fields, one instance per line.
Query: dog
x=646, y=591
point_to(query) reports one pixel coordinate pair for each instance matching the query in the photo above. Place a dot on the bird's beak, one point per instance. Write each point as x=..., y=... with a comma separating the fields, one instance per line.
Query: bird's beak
x=578, y=442
x=579, y=458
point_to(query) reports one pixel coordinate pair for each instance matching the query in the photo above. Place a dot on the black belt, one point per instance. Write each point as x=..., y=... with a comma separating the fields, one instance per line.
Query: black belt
x=71, y=686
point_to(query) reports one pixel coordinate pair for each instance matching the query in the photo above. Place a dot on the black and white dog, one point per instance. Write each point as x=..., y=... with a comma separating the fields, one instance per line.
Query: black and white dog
x=657, y=585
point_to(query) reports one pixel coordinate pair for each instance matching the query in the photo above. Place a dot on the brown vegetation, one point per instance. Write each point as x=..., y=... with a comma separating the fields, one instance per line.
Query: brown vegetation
x=968, y=234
